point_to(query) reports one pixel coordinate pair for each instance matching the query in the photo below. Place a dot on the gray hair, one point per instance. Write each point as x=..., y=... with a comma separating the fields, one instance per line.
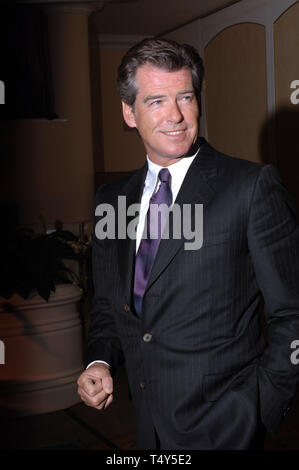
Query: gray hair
x=161, y=53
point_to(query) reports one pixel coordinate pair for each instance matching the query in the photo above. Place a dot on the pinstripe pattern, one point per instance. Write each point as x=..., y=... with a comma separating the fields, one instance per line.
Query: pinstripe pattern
x=209, y=380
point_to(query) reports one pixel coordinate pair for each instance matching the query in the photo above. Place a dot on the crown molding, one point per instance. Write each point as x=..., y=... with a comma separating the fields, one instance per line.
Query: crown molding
x=118, y=41
x=63, y=2
x=68, y=6
x=85, y=9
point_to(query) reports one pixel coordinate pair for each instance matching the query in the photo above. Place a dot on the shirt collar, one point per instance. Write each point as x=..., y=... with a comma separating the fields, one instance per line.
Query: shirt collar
x=177, y=169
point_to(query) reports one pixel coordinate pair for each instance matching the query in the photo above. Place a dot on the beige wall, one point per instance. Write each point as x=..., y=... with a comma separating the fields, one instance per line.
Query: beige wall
x=286, y=42
x=236, y=90
x=49, y=164
x=47, y=172
x=123, y=149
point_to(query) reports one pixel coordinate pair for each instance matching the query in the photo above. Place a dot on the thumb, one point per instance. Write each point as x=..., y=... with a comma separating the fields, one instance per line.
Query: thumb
x=107, y=383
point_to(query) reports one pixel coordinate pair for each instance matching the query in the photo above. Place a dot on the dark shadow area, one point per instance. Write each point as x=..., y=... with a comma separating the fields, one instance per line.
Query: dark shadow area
x=77, y=428
x=25, y=63
x=96, y=101
x=279, y=146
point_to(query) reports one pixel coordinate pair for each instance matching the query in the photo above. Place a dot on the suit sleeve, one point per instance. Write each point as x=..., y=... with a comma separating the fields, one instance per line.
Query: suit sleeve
x=103, y=343
x=273, y=239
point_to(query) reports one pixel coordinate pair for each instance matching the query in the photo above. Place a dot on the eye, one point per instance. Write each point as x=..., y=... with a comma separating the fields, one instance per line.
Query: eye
x=188, y=98
x=156, y=102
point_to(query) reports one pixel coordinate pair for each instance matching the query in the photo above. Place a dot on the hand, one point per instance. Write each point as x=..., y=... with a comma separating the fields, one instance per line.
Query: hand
x=95, y=386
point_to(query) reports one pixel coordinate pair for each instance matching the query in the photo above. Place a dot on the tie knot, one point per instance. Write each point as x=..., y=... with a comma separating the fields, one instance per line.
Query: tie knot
x=164, y=175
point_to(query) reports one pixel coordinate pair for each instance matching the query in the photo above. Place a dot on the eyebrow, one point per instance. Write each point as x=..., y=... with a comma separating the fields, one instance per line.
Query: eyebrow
x=185, y=92
x=157, y=97
x=152, y=97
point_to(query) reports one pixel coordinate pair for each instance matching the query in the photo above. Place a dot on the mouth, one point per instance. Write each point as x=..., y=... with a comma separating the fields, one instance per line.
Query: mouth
x=174, y=133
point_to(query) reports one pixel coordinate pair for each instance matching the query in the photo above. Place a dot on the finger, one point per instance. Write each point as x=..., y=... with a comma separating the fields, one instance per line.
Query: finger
x=103, y=405
x=91, y=386
x=108, y=401
x=107, y=384
x=93, y=400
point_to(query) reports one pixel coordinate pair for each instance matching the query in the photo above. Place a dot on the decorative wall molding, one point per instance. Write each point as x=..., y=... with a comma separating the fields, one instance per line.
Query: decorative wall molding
x=265, y=12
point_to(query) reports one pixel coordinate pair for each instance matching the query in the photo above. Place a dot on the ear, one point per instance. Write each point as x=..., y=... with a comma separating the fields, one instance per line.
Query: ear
x=128, y=115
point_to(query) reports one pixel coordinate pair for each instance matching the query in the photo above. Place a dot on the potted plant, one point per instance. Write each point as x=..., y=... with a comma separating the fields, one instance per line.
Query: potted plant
x=40, y=324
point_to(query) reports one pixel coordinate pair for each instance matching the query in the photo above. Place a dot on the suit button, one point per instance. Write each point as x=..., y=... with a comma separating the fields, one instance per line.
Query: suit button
x=142, y=384
x=147, y=337
x=127, y=308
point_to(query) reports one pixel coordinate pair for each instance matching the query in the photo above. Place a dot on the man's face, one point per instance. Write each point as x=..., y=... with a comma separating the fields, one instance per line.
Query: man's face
x=165, y=113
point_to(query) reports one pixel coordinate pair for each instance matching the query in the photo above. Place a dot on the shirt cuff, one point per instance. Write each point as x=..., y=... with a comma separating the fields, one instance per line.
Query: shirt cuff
x=94, y=362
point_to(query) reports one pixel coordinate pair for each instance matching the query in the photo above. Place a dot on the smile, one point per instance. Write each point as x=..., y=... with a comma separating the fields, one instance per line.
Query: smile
x=174, y=132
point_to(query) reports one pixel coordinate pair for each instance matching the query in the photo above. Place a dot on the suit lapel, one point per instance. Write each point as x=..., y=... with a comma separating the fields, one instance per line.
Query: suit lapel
x=196, y=188
x=127, y=247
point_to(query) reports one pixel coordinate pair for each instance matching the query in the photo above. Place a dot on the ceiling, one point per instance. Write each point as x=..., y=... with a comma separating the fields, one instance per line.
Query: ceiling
x=153, y=17
x=143, y=17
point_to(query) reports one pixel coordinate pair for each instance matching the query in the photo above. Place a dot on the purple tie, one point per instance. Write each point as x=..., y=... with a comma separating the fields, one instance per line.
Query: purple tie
x=154, y=228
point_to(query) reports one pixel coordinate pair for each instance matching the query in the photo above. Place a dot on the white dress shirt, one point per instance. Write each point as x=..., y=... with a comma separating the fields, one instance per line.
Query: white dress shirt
x=178, y=171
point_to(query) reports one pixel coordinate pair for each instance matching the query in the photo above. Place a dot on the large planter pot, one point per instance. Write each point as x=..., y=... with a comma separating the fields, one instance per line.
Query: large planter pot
x=43, y=352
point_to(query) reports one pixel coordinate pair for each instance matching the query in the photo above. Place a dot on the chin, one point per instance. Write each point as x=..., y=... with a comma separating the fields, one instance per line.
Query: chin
x=179, y=153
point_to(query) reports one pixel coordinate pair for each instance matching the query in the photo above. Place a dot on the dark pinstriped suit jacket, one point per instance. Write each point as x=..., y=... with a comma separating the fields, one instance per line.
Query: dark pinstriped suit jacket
x=206, y=379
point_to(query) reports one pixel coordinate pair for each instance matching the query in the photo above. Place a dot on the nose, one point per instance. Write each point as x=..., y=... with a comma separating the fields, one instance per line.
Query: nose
x=174, y=113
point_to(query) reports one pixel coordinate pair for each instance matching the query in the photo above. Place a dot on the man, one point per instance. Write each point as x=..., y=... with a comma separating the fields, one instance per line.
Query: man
x=186, y=321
